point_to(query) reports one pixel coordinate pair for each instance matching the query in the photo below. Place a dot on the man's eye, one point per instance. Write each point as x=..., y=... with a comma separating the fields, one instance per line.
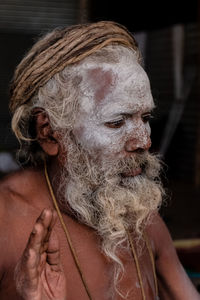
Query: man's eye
x=147, y=117
x=115, y=124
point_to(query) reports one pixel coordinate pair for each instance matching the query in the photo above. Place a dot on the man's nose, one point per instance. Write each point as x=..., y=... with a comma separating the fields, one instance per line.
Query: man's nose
x=138, y=144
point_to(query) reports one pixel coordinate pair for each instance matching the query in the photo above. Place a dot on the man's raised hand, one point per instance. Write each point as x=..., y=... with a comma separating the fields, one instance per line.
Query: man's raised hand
x=39, y=274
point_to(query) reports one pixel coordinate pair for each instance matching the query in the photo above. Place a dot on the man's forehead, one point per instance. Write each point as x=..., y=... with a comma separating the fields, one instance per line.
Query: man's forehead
x=105, y=83
x=101, y=81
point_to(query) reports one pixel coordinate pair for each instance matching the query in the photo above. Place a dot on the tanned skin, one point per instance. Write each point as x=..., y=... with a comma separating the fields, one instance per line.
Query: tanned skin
x=34, y=246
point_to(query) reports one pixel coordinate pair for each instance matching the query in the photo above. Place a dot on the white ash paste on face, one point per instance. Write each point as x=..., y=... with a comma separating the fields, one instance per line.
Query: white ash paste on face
x=109, y=91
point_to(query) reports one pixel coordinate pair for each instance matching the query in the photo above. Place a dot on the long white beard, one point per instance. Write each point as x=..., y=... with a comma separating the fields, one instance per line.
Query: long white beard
x=101, y=198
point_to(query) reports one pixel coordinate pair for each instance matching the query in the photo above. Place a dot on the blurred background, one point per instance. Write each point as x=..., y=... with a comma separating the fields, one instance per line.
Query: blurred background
x=168, y=34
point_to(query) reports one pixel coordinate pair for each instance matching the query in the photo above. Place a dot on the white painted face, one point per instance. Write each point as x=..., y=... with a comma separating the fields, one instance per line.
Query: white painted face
x=115, y=108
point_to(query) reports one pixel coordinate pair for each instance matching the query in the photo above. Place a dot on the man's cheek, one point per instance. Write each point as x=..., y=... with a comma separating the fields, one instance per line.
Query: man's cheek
x=113, y=147
x=83, y=135
x=99, y=139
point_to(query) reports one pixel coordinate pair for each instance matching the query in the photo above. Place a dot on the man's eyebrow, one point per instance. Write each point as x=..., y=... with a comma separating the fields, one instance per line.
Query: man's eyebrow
x=127, y=112
x=132, y=112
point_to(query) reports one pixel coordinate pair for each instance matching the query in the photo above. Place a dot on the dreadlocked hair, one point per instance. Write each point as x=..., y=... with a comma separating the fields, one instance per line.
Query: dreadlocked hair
x=60, y=48
x=44, y=77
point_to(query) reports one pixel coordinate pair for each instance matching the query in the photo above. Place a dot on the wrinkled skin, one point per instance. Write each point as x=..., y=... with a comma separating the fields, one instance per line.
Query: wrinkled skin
x=20, y=207
x=39, y=273
x=33, y=244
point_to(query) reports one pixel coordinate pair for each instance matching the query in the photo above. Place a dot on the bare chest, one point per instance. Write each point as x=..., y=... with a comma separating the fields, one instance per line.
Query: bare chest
x=94, y=269
x=97, y=274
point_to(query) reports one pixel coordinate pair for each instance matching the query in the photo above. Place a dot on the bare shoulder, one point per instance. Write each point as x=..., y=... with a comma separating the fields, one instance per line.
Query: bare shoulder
x=17, y=196
x=21, y=186
x=19, y=207
x=162, y=245
x=160, y=237
x=11, y=193
x=22, y=193
x=173, y=281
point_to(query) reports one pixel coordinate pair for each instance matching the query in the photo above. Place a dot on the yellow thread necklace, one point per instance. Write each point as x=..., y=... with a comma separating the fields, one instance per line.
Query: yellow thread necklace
x=73, y=252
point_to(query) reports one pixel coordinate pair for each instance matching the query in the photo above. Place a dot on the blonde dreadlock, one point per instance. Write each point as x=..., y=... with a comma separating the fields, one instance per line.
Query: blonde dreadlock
x=60, y=48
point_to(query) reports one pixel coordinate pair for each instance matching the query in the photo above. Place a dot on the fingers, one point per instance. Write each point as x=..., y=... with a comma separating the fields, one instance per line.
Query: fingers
x=43, y=243
x=34, y=256
x=53, y=253
x=38, y=240
x=26, y=274
x=30, y=268
x=41, y=253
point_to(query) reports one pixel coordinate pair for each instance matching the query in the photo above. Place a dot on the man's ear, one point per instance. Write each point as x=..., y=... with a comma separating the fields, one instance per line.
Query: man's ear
x=46, y=137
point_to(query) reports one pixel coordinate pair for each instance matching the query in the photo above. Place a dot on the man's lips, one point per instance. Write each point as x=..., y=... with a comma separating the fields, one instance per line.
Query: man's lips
x=132, y=173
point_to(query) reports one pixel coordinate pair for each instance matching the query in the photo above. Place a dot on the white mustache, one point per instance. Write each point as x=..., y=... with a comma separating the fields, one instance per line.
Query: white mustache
x=145, y=164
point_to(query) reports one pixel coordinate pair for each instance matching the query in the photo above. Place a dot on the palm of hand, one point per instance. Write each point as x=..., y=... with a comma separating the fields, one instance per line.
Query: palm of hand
x=51, y=283
x=39, y=274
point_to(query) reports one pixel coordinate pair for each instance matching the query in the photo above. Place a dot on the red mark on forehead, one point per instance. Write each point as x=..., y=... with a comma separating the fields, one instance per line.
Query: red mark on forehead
x=101, y=81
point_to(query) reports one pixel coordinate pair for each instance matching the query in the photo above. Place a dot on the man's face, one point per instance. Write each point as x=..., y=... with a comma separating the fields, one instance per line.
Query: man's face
x=115, y=108
x=108, y=149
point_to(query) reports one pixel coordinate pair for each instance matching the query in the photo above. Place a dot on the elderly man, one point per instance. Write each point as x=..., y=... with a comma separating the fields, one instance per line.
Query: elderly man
x=80, y=220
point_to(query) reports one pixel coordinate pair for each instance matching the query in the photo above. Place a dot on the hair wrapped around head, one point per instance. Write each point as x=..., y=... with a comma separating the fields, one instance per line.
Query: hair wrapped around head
x=60, y=48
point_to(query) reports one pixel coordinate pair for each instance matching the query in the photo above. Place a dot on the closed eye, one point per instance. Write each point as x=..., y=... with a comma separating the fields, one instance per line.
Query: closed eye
x=115, y=124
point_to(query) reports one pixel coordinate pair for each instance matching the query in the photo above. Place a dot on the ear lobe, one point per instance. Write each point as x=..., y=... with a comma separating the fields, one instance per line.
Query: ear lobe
x=46, y=137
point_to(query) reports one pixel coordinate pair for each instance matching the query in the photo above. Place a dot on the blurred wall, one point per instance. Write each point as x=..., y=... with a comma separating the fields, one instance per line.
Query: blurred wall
x=21, y=23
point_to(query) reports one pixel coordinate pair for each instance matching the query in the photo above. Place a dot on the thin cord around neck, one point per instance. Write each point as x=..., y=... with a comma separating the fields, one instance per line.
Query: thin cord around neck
x=136, y=264
x=66, y=231
x=74, y=255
